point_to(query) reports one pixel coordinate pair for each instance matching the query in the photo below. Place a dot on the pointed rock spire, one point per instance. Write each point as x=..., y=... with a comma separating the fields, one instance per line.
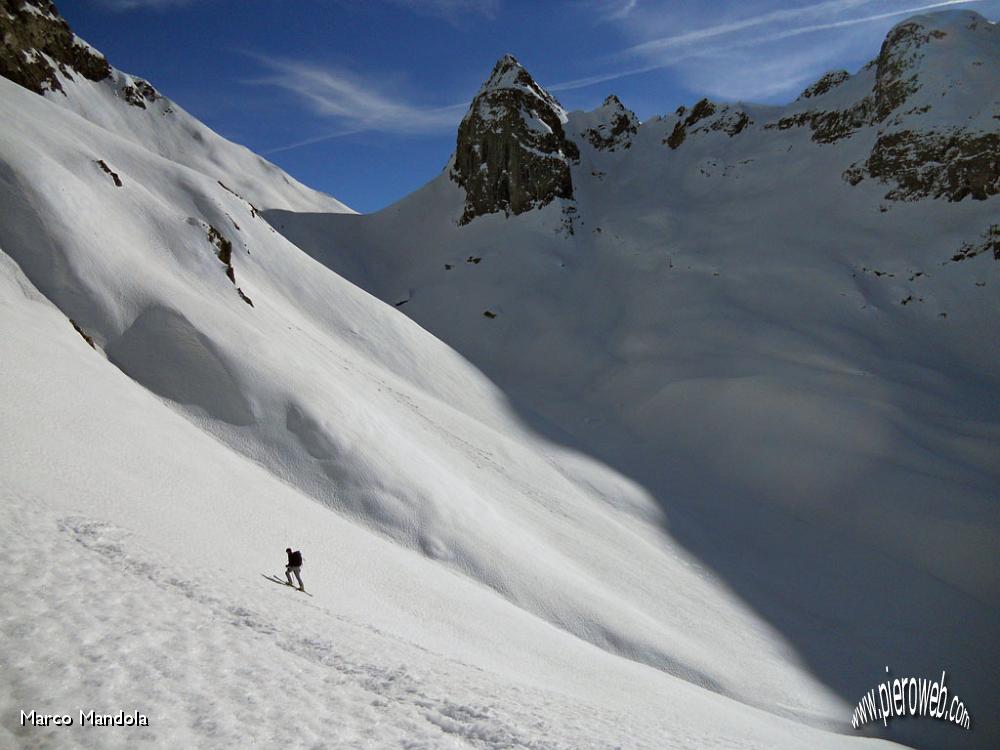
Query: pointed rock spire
x=512, y=153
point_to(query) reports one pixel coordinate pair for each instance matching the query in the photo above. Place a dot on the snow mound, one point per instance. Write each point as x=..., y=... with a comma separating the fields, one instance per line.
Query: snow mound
x=164, y=352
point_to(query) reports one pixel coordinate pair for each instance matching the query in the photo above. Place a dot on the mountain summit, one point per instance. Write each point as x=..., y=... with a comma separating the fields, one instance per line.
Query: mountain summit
x=512, y=153
x=929, y=99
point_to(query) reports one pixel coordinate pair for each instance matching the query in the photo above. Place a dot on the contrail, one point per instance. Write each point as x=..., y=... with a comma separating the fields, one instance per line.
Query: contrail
x=714, y=31
x=832, y=6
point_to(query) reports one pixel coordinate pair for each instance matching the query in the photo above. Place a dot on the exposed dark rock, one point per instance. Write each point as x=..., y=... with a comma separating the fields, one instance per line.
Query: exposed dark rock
x=853, y=174
x=829, y=126
x=139, y=92
x=224, y=252
x=948, y=163
x=728, y=119
x=512, y=153
x=86, y=337
x=677, y=135
x=617, y=132
x=33, y=28
x=114, y=175
x=951, y=165
x=990, y=243
x=222, y=245
x=895, y=79
x=826, y=83
x=733, y=122
x=253, y=209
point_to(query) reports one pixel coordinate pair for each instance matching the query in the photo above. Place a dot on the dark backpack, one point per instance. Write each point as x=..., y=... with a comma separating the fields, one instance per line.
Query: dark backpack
x=295, y=559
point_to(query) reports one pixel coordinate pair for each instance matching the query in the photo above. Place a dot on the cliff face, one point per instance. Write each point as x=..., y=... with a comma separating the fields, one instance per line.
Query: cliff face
x=918, y=85
x=37, y=42
x=512, y=153
x=918, y=154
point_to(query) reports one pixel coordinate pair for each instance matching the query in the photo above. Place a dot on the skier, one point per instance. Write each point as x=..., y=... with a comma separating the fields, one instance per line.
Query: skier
x=294, y=566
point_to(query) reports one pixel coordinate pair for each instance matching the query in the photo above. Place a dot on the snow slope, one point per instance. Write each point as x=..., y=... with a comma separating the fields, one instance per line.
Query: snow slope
x=800, y=371
x=133, y=541
x=475, y=584
x=131, y=108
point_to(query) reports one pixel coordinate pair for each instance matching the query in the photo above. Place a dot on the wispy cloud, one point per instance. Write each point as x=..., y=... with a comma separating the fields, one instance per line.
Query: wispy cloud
x=622, y=8
x=453, y=11
x=766, y=53
x=451, y=8
x=864, y=20
x=724, y=29
x=783, y=16
x=352, y=103
x=751, y=56
x=608, y=10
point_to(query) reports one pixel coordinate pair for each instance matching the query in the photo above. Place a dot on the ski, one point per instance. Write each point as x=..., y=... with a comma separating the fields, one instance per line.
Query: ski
x=275, y=579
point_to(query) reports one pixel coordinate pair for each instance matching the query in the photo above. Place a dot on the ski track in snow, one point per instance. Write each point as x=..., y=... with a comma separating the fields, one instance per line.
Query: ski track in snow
x=133, y=632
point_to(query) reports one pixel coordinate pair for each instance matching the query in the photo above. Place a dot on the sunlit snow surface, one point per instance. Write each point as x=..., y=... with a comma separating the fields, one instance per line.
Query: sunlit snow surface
x=486, y=570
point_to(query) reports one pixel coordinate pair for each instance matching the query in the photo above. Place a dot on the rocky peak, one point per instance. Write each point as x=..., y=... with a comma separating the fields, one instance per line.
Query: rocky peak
x=706, y=116
x=935, y=104
x=923, y=54
x=896, y=74
x=512, y=153
x=38, y=43
x=930, y=100
x=614, y=128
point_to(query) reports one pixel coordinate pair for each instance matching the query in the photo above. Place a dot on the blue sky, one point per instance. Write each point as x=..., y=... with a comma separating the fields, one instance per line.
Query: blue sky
x=361, y=98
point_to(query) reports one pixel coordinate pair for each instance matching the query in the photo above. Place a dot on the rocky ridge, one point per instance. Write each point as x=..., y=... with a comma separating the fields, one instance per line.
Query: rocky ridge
x=916, y=153
x=38, y=43
x=516, y=148
x=40, y=51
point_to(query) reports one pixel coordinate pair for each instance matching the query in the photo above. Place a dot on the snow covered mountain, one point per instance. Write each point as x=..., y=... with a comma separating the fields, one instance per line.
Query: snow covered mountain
x=712, y=457
x=779, y=321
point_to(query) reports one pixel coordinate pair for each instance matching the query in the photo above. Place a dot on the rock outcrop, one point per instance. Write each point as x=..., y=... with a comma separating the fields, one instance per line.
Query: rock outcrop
x=615, y=126
x=896, y=76
x=829, y=81
x=706, y=116
x=37, y=42
x=952, y=157
x=925, y=145
x=512, y=153
x=939, y=164
x=896, y=80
